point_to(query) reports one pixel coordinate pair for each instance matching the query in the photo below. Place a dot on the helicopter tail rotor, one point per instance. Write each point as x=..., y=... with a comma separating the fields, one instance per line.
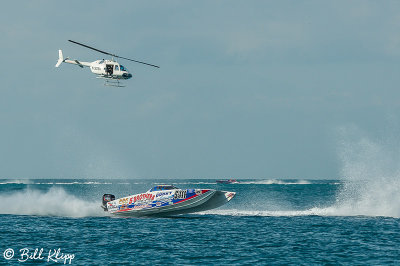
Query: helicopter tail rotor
x=60, y=58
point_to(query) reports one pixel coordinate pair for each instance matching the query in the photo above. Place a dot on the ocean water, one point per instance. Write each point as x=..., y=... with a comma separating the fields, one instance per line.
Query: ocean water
x=269, y=222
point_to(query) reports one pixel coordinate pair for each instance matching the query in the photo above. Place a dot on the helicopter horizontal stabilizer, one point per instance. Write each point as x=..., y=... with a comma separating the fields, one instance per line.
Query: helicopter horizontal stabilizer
x=60, y=58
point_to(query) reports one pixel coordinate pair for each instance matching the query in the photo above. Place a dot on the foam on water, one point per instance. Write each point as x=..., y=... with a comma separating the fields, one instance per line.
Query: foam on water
x=15, y=181
x=55, y=202
x=30, y=182
x=276, y=182
x=238, y=212
x=194, y=183
x=74, y=183
x=329, y=211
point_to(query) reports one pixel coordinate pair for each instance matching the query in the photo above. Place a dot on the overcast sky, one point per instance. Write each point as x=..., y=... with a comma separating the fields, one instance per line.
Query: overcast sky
x=246, y=89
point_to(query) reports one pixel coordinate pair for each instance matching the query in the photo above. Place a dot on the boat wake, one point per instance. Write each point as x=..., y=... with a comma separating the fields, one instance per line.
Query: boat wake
x=276, y=182
x=74, y=183
x=54, y=202
x=15, y=182
x=342, y=211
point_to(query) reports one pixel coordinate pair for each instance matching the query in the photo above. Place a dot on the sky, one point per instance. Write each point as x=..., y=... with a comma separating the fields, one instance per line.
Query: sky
x=245, y=89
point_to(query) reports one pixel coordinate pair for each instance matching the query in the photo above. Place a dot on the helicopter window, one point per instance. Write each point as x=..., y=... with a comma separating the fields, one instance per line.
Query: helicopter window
x=116, y=67
x=122, y=68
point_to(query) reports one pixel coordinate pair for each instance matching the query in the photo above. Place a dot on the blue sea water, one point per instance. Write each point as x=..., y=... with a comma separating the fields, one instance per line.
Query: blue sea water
x=269, y=222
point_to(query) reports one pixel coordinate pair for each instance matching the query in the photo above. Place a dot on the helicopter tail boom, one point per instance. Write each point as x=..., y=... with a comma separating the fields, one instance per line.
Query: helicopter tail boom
x=74, y=62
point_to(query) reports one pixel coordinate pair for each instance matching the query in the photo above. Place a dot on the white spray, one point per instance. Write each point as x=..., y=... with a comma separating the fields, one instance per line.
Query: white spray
x=54, y=202
x=371, y=171
x=371, y=180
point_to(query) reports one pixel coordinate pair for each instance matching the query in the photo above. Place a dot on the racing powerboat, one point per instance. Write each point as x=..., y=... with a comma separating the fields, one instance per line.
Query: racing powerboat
x=165, y=200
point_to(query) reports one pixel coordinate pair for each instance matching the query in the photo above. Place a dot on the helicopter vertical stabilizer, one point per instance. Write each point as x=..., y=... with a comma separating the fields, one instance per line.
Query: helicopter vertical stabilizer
x=60, y=58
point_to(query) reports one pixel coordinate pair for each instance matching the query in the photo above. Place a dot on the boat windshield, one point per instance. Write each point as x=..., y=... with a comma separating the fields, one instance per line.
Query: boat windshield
x=163, y=187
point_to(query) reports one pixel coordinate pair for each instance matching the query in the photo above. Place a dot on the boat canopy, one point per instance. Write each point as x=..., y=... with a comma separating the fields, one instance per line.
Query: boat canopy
x=162, y=187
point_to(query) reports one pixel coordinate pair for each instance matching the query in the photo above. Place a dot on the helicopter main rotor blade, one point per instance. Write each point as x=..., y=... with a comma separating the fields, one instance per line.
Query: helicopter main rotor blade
x=136, y=61
x=87, y=46
x=103, y=52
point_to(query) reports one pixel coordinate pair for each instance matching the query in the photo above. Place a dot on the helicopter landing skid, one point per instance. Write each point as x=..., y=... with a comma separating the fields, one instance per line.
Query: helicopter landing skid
x=113, y=83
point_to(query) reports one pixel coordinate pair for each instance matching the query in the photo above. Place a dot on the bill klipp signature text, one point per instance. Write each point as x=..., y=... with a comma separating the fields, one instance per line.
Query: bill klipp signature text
x=26, y=254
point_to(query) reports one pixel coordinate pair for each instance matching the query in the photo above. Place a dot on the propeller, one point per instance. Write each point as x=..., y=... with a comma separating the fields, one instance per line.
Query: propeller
x=114, y=55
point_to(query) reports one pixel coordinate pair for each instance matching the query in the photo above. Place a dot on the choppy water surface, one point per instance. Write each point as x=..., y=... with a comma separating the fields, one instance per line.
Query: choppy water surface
x=268, y=222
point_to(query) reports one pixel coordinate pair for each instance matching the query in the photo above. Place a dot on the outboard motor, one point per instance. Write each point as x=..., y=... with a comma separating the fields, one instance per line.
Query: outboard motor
x=107, y=198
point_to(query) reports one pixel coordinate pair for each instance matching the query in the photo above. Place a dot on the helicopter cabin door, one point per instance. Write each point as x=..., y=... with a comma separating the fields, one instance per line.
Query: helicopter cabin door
x=109, y=69
x=116, y=69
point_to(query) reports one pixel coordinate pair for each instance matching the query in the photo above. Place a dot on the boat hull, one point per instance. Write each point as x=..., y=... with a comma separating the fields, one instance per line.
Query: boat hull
x=168, y=203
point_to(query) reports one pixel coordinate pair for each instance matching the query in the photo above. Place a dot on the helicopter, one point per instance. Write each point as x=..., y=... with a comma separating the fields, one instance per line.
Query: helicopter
x=109, y=70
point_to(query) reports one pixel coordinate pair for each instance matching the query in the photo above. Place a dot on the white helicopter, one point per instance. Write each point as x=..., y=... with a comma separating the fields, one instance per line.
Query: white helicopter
x=110, y=70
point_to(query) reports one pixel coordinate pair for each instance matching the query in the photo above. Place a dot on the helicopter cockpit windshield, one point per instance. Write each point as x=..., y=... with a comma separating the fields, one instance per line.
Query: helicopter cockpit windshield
x=122, y=68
